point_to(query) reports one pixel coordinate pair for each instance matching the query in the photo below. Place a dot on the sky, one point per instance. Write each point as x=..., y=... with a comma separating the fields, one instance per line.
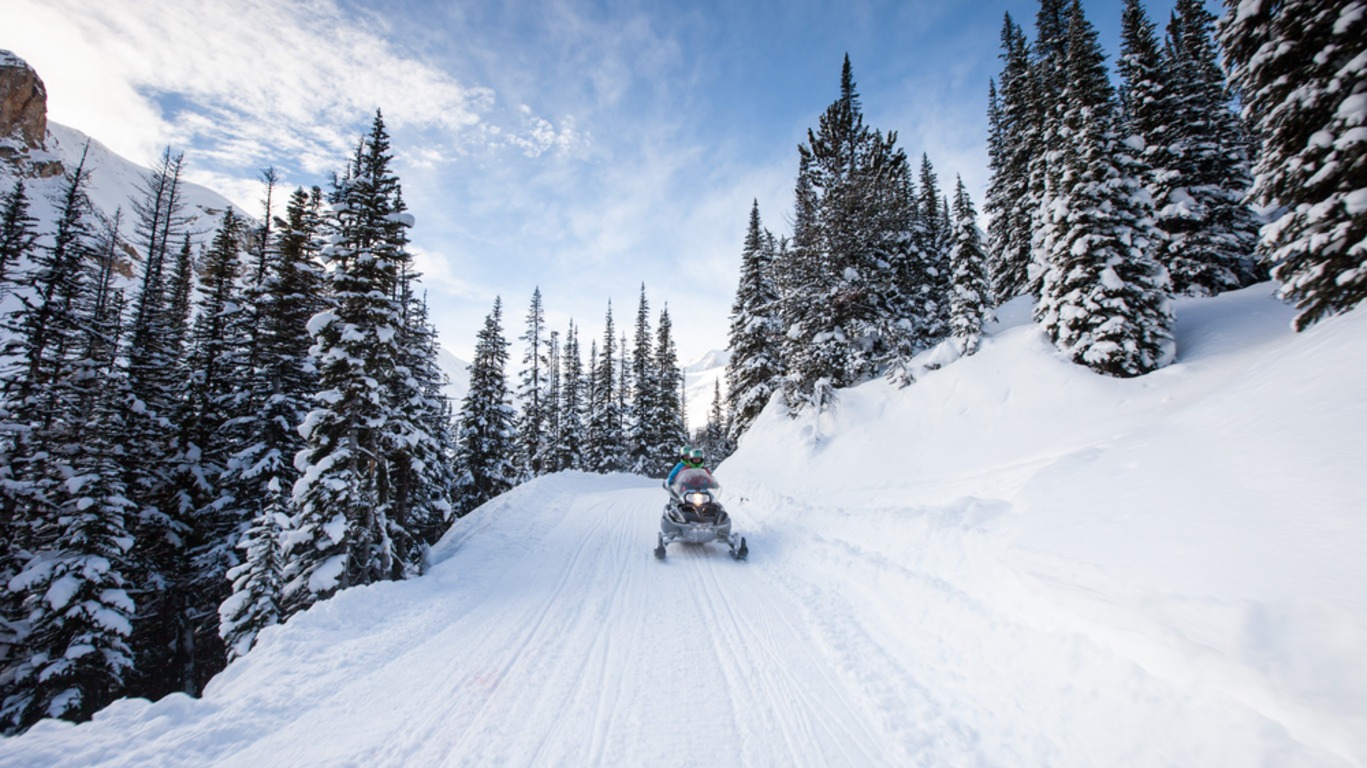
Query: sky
x=585, y=147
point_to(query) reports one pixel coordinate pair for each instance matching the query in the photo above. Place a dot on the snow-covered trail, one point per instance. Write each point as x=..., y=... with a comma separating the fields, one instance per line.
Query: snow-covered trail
x=553, y=638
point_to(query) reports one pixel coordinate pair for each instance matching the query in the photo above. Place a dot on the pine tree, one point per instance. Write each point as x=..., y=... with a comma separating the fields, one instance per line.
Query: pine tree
x=18, y=230
x=550, y=458
x=970, y=299
x=1104, y=301
x=570, y=437
x=644, y=393
x=261, y=473
x=603, y=448
x=212, y=429
x=1298, y=69
x=1015, y=139
x=487, y=433
x=667, y=417
x=1176, y=103
x=754, y=369
x=848, y=321
x=344, y=531
x=531, y=394
x=157, y=377
x=73, y=655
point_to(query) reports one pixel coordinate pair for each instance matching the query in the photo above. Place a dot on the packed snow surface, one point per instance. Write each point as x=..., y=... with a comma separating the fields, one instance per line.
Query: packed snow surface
x=1012, y=562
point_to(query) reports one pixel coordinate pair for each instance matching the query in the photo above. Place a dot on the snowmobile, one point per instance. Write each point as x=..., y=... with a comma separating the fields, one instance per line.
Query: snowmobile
x=693, y=516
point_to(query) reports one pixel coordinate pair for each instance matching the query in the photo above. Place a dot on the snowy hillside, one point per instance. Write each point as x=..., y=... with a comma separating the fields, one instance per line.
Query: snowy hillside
x=1014, y=562
x=115, y=182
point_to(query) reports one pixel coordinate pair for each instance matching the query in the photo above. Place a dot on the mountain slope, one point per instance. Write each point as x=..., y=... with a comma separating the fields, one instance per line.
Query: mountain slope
x=1012, y=562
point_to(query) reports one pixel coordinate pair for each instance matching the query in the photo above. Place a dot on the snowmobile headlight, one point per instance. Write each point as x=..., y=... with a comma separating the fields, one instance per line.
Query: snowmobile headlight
x=696, y=499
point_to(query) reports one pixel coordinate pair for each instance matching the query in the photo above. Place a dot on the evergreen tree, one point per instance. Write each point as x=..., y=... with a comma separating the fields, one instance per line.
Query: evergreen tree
x=935, y=239
x=212, y=429
x=667, y=417
x=156, y=366
x=849, y=320
x=550, y=458
x=18, y=230
x=643, y=395
x=1176, y=103
x=531, y=394
x=344, y=532
x=487, y=434
x=754, y=370
x=1104, y=301
x=570, y=437
x=261, y=473
x=603, y=448
x=73, y=654
x=1297, y=67
x=1014, y=140
x=970, y=298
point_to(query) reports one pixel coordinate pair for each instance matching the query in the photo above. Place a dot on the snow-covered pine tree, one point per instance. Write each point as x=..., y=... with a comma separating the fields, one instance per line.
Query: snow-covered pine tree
x=73, y=655
x=850, y=231
x=1015, y=138
x=423, y=437
x=157, y=377
x=668, y=430
x=1300, y=70
x=970, y=299
x=1175, y=102
x=283, y=380
x=531, y=392
x=754, y=370
x=487, y=433
x=18, y=230
x=570, y=441
x=644, y=391
x=603, y=446
x=812, y=356
x=213, y=428
x=934, y=238
x=342, y=534
x=553, y=399
x=1104, y=301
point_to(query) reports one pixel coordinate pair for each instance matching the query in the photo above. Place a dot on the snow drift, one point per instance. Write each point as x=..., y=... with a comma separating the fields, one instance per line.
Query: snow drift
x=1012, y=562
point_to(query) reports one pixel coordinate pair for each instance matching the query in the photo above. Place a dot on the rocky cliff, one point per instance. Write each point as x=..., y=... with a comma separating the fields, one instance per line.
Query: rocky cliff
x=23, y=119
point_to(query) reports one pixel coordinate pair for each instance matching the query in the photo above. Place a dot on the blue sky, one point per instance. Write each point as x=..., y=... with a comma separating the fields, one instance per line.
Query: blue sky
x=580, y=146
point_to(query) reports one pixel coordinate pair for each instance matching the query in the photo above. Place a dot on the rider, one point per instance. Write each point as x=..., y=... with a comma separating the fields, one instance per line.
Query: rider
x=689, y=458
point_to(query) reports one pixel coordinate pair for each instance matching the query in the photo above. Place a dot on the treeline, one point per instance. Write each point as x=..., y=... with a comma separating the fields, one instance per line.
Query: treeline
x=239, y=434
x=622, y=412
x=1103, y=203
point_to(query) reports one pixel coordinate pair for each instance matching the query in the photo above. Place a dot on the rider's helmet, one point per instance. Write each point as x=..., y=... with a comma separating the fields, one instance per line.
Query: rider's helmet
x=683, y=453
x=695, y=457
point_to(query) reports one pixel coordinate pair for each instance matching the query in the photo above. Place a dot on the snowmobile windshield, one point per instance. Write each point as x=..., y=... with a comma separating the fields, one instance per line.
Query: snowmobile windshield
x=695, y=480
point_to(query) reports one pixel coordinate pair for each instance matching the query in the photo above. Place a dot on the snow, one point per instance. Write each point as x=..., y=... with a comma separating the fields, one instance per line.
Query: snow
x=1013, y=561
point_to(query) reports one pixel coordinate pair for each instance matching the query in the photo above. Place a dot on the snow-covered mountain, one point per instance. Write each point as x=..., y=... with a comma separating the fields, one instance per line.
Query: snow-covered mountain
x=457, y=375
x=1012, y=562
x=700, y=377
x=115, y=183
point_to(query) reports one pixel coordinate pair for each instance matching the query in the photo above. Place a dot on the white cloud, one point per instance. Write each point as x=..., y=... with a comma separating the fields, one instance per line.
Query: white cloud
x=245, y=82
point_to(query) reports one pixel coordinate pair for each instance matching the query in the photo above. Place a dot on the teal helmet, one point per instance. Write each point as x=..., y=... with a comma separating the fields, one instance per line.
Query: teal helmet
x=694, y=457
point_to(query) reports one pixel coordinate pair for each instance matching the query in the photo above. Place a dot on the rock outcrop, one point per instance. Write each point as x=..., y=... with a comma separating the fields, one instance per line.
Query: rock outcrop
x=23, y=102
x=23, y=120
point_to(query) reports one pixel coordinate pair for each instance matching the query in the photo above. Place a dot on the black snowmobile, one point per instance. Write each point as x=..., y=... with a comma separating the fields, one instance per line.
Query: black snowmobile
x=693, y=516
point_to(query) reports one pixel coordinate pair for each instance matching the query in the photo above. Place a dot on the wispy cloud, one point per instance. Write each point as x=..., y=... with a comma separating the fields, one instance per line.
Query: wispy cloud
x=247, y=82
